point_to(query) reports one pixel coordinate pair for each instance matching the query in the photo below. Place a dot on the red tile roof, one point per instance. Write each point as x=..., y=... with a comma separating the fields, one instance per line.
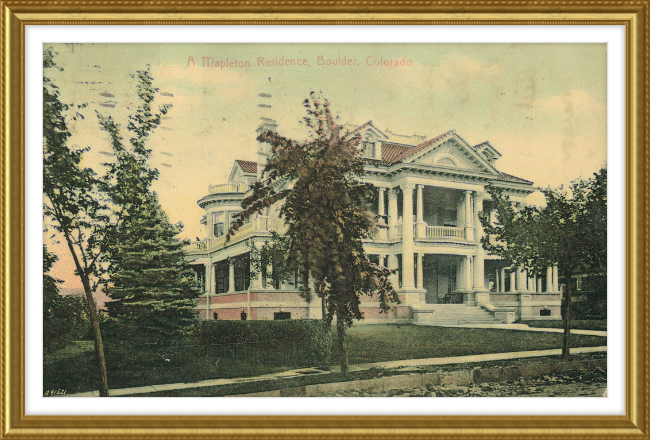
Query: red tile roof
x=511, y=178
x=390, y=151
x=405, y=152
x=247, y=166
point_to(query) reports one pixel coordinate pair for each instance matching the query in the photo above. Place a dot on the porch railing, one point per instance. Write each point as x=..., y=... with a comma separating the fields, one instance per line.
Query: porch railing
x=256, y=225
x=232, y=187
x=444, y=232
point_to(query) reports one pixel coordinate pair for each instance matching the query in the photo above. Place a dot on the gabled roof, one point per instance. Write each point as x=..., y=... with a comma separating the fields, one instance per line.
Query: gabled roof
x=362, y=127
x=247, y=166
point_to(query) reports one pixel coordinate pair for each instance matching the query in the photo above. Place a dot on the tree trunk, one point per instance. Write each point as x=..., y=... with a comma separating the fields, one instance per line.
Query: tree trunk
x=566, y=298
x=94, y=321
x=97, y=335
x=323, y=309
x=343, y=348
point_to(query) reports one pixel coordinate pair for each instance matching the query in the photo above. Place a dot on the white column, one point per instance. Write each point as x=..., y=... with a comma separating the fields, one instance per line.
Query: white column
x=539, y=283
x=502, y=274
x=231, y=275
x=380, y=203
x=531, y=283
x=392, y=213
x=210, y=287
x=256, y=281
x=469, y=227
x=521, y=280
x=513, y=285
x=556, y=281
x=468, y=273
x=479, y=259
x=407, y=237
x=496, y=281
x=420, y=272
x=549, y=279
x=420, y=225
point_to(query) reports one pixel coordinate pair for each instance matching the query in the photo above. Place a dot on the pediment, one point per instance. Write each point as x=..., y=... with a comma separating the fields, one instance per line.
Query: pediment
x=452, y=153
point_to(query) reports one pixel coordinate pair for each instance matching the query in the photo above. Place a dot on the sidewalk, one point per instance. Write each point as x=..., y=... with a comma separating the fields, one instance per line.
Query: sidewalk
x=524, y=327
x=302, y=372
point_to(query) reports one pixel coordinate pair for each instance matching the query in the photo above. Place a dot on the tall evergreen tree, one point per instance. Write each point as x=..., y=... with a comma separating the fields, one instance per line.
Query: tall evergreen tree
x=326, y=210
x=151, y=285
x=149, y=281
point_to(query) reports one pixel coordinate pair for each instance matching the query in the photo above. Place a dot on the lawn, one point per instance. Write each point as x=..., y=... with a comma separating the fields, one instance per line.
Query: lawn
x=74, y=369
x=581, y=324
x=379, y=343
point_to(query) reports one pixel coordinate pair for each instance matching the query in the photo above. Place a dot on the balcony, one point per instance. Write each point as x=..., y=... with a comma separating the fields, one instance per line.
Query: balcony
x=232, y=187
x=435, y=232
x=260, y=226
x=444, y=233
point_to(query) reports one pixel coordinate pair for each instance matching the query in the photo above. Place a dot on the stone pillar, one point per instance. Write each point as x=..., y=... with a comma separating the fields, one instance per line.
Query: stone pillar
x=210, y=284
x=231, y=275
x=549, y=279
x=420, y=272
x=256, y=281
x=496, y=281
x=469, y=227
x=392, y=213
x=407, y=237
x=420, y=225
x=531, y=283
x=513, y=286
x=479, y=259
x=556, y=281
x=380, y=203
x=539, y=283
x=521, y=280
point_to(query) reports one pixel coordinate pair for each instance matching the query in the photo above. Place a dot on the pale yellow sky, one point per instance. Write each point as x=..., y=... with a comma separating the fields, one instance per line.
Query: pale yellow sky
x=543, y=106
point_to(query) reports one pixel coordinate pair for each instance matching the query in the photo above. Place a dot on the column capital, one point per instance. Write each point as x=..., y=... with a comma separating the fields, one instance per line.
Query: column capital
x=407, y=186
x=419, y=185
x=381, y=189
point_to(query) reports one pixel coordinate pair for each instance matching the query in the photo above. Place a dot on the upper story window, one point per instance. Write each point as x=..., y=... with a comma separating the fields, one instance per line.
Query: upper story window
x=369, y=145
x=218, y=229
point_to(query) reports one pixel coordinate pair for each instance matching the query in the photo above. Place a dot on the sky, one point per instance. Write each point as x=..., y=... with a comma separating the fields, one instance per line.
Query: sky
x=542, y=106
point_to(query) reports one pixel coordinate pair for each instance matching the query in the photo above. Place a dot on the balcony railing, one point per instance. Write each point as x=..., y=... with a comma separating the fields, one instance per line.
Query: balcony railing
x=232, y=187
x=444, y=232
x=434, y=232
x=256, y=225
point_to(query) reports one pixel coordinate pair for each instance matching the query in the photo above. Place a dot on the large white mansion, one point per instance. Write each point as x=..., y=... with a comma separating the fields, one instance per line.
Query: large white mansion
x=430, y=192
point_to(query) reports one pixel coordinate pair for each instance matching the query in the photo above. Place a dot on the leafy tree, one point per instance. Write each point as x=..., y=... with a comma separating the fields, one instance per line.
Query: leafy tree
x=563, y=233
x=149, y=281
x=64, y=318
x=75, y=203
x=326, y=210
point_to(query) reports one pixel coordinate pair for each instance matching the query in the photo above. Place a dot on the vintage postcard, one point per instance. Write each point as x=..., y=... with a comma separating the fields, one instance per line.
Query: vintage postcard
x=351, y=220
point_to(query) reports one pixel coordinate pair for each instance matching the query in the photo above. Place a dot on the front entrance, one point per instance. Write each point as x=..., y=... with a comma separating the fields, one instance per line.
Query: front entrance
x=439, y=279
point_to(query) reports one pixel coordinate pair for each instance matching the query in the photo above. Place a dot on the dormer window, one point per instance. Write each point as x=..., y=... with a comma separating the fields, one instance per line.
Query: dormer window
x=369, y=145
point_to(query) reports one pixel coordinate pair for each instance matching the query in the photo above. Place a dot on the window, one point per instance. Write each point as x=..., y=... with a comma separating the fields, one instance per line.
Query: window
x=281, y=315
x=368, y=146
x=242, y=272
x=218, y=229
x=545, y=312
x=222, y=273
x=215, y=316
x=578, y=283
x=243, y=315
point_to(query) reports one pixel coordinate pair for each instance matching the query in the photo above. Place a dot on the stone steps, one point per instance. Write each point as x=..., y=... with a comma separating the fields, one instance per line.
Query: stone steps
x=452, y=314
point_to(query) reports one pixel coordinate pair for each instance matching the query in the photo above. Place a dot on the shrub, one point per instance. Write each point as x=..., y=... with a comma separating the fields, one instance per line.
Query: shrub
x=306, y=341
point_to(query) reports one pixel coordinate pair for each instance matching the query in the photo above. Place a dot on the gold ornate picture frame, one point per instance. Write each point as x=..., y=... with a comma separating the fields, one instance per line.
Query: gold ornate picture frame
x=16, y=15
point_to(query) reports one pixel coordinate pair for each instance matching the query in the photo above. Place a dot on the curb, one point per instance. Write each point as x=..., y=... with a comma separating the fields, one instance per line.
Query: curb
x=458, y=377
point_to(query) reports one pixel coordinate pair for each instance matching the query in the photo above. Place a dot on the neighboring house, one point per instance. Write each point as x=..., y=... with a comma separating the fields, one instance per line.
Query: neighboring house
x=444, y=275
